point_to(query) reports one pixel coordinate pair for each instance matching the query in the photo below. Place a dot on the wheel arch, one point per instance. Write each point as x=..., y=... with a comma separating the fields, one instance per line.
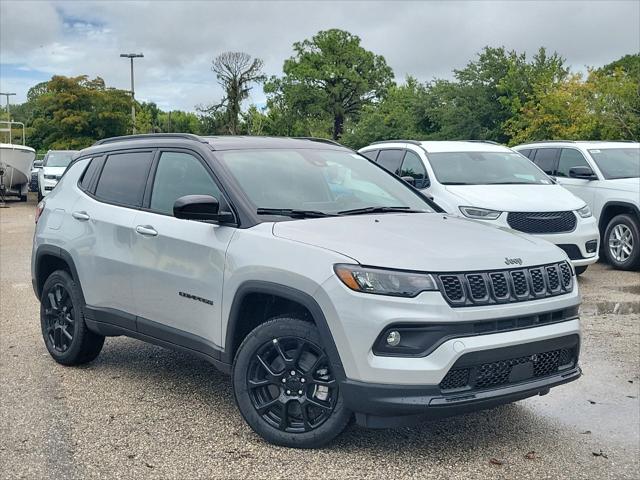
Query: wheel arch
x=238, y=327
x=613, y=208
x=50, y=258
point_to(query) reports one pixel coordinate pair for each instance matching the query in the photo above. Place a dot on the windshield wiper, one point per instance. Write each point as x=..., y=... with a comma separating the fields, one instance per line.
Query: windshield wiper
x=361, y=211
x=513, y=183
x=291, y=212
x=457, y=183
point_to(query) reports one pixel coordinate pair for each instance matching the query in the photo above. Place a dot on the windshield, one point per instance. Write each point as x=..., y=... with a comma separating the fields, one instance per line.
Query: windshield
x=485, y=168
x=58, y=159
x=618, y=162
x=325, y=181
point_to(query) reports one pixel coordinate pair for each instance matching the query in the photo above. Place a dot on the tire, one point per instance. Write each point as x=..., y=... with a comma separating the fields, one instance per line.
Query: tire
x=282, y=362
x=621, y=242
x=23, y=198
x=64, y=330
x=581, y=270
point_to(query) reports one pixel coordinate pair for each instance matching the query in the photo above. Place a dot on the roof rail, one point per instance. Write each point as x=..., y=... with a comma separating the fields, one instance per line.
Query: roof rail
x=549, y=141
x=481, y=141
x=319, y=140
x=147, y=136
x=412, y=142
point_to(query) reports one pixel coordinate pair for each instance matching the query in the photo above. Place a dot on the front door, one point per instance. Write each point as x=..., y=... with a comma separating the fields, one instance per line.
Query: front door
x=179, y=264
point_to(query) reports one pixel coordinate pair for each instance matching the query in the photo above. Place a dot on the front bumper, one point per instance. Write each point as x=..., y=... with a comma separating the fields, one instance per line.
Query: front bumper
x=380, y=405
x=46, y=186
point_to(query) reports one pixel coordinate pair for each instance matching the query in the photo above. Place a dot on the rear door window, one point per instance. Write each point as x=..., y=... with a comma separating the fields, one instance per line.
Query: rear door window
x=547, y=159
x=526, y=152
x=124, y=177
x=391, y=159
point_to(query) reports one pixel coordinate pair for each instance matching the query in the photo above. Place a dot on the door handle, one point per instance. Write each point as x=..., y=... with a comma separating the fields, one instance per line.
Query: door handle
x=146, y=230
x=82, y=216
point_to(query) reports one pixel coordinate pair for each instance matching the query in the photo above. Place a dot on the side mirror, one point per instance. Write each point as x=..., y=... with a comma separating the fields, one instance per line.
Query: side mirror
x=200, y=207
x=584, y=173
x=410, y=180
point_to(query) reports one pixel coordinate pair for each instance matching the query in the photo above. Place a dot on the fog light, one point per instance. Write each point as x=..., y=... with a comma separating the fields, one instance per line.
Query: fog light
x=393, y=338
x=591, y=246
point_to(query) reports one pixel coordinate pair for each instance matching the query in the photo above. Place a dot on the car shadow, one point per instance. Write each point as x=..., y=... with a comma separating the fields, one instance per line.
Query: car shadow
x=173, y=379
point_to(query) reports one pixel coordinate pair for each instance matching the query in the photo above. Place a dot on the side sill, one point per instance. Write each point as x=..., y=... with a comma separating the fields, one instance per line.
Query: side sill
x=110, y=322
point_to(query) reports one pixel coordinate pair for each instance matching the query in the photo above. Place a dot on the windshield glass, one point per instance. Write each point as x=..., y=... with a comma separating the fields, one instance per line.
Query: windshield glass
x=326, y=181
x=485, y=168
x=58, y=159
x=618, y=162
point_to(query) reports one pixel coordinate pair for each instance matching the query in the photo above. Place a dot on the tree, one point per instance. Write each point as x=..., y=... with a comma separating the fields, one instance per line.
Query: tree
x=74, y=112
x=235, y=71
x=330, y=78
x=398, y=115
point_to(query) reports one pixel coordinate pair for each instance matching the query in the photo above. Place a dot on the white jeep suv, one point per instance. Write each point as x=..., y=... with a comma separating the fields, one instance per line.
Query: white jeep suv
x=492, y=183
x=606, y=175
x=324, y=284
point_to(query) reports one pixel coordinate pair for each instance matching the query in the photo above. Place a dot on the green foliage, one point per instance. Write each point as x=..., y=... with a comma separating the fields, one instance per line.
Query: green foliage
x=329, y=80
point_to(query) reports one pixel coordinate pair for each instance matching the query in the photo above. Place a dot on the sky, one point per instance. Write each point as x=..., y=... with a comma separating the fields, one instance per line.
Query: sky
x=426, y=39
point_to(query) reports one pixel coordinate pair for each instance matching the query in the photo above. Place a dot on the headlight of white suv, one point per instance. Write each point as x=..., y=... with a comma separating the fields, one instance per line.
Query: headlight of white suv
x=584, y=212
x=384, y=282
x=480, y=213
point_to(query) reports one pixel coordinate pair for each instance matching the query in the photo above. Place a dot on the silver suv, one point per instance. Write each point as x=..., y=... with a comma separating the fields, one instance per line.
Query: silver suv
x=325, y=285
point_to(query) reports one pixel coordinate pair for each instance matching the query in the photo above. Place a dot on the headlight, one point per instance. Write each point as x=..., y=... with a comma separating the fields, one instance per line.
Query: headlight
x=384, y=282
x=584, y=212
x=50, y=177
x=480, y=213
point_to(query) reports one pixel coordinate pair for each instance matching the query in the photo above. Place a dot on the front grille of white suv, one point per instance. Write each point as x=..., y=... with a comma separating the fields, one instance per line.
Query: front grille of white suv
x=505, y=286
x=542, y=222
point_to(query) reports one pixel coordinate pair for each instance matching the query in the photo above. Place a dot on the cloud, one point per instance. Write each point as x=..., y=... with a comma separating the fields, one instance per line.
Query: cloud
x=179, y=39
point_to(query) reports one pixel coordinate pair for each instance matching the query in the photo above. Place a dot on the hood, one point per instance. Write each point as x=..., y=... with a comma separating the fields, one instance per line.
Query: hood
x=622, y=184
x=516, y=198
x=53, y=170
x=416, y=241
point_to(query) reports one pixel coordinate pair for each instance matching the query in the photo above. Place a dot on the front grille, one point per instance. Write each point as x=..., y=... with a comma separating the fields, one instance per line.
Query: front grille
x=542, y=222
x=501, y=372
x=477, y=288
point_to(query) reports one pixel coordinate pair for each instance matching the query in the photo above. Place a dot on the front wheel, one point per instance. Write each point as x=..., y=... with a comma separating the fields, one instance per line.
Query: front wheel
x=285, y=387
x=622, y=242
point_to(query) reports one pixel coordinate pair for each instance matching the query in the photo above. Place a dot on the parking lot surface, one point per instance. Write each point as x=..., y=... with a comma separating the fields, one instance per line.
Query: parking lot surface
x=140, y=411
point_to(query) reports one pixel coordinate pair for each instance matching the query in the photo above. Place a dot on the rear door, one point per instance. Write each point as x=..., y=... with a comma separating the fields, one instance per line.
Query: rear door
x=178, y=264
x=114, y=188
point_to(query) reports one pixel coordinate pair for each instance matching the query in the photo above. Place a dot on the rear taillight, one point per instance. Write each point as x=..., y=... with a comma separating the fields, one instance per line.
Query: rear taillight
x=39, y=209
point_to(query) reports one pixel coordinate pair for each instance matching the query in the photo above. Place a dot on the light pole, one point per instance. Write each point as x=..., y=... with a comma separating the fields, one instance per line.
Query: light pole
x=131, y=56
x=8, y=111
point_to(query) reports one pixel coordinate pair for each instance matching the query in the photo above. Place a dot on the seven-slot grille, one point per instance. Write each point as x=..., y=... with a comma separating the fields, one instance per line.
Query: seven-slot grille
x=478, y=288
x=542, y=222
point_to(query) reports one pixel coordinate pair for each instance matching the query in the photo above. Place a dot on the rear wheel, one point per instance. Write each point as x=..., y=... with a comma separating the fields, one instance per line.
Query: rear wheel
x=622, y=242
x=284, y=385
x=64, y=331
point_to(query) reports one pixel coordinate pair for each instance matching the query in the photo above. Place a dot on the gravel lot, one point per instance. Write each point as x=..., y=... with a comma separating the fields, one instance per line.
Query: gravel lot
x=142, y=411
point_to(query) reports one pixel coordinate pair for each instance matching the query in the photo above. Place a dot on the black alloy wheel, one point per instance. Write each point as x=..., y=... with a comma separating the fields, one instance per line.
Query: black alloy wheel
x=59, y=318
x=291, y=385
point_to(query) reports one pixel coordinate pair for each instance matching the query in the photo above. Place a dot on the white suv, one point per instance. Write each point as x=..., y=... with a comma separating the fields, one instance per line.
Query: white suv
x=324, y=284
x=492, y=183
x=53, y=166
x=606, y=175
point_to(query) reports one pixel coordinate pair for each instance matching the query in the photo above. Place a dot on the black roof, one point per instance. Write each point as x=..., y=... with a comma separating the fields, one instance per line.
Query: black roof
x=225, y=142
